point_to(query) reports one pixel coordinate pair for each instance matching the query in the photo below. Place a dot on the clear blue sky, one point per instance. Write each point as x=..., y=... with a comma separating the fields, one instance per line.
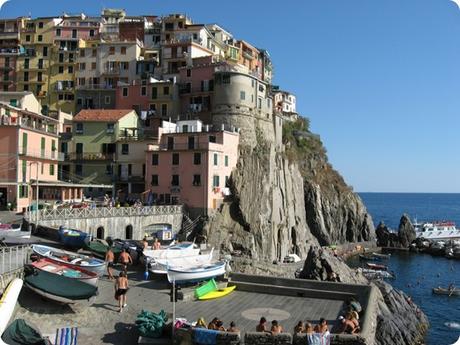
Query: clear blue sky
x=380, y=80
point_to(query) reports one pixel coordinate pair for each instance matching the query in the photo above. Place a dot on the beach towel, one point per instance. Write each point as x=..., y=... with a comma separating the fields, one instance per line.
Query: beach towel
x=66, y=336
x=205, y=336
x=319, y=339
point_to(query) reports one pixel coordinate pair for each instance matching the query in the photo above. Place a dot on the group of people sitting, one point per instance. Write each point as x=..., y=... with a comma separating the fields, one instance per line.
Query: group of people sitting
x=301, y=327
x=217, y=324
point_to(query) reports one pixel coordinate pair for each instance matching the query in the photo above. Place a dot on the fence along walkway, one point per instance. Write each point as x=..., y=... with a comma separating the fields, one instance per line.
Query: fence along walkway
x=102, y=212
x=12, y=261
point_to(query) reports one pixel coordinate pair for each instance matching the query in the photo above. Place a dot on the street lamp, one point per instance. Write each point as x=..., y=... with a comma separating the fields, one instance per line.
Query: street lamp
x=36, y=191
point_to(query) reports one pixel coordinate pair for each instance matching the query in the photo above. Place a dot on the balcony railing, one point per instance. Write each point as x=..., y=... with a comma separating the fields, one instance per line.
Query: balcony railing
x=44, y=154
x=96, y=87
x=44, y=127
x=91, y=156
x=111, y=70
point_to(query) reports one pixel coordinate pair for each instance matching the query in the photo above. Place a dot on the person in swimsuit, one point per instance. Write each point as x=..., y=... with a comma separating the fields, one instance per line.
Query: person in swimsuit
x=156, y=244
x=109, y=258
x=121, y=288
x=276, y=328
x=262, y=326
x=125, y=260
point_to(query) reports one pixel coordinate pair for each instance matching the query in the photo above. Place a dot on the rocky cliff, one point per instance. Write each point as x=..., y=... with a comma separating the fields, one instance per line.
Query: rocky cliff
x=405, y=236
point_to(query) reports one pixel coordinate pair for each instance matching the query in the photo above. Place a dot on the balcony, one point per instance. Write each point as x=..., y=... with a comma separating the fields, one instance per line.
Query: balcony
x=10, y=51
x=91, y=156
x=111, y=70
x=43, y=154
x=96, y=87
x=64, y=87
x=248, y=55
x=43, y=127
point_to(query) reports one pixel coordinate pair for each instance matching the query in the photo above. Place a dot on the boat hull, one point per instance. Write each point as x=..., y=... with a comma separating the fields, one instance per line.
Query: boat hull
x=61, y=269
x=77, y=260
x=73, y=238
x=197, y=274
x=441, y=291
x=175, y=251
x=161, y=266
x=8, y=303
x=217, y=293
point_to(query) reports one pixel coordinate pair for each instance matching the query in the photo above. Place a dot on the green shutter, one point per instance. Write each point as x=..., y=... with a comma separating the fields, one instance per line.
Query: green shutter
x=24, y=170
x=43, y=146
x=52, y=169
x=24, y=143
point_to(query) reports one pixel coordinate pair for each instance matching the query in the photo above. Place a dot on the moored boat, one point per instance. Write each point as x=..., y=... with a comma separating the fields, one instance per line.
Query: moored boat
x=65, y=270
x=75, y=260
x=58, y=288
x=364, y=257
x=174, y=251
x=448, y=291
x=160, y=266
x=380, y=255
x=377, y=267
x=72, y=237
x=8, y=303
x=196, y=274
x=375, y=274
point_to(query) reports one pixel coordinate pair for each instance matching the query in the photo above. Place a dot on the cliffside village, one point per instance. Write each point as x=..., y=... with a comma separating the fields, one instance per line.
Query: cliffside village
x=127, y=107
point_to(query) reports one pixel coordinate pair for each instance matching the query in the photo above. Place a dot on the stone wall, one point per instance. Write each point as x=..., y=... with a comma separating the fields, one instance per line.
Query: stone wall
x=262, y=338
x=184, y=336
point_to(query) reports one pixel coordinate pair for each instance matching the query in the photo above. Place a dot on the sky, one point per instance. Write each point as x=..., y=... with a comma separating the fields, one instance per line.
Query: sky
x=379, y=80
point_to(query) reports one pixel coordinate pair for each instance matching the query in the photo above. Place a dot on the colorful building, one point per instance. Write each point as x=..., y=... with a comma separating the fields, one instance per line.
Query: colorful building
x=10, y=49
x=191, y=166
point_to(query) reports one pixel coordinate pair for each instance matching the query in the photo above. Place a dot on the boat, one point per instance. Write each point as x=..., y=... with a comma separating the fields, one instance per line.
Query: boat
x=8, y=303
x=206, y=288
x=75, y=260
x=99, y=249
x=217, y=293
x=383, y=256
x=66, y=270
x=444, y=230
x=364, y=257
x=377, y=267
x=196, y=274
x=13, y=231
x=448, y=292
x=173, y=251
x=58, y=288
x=160, y=266
x=72, y=237
x=375, y=274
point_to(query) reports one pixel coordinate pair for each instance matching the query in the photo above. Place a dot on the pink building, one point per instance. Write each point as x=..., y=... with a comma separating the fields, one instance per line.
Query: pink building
x=191, y=166
x=29, y=151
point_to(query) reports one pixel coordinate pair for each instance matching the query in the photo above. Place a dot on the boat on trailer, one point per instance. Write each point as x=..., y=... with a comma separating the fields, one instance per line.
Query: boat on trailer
x=62, y=269
x=72, y=259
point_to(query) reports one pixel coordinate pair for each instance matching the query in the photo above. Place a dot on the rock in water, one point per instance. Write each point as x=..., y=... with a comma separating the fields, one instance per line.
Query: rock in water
x=406, y=233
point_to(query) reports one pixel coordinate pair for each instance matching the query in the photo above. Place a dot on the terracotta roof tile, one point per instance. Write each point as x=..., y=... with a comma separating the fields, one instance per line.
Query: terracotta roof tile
x=101, y=115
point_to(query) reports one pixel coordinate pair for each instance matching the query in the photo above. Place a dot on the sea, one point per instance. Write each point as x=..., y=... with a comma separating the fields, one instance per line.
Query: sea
x=417, y=274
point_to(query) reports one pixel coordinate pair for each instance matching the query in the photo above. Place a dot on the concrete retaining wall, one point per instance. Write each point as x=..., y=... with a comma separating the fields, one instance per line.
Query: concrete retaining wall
x=185, y=337
x=262, y=338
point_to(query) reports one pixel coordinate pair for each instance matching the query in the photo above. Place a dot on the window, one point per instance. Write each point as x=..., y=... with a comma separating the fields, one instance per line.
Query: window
x=143, y=90
x=107, y=99
x=155, y=159
x=70, y=69
x=82, y=52
x=45, y=51
x=125, y=92
x=23, y=191
x=94, y=53
x=26, y=76
x=124, y=65
x=109, y=169
x=268, y=102
x=197, y=158
x=175, y=159
x=196, y=180
x=215, y=181
x=42, y=168
x=226, y=161
x=191, y=143
x=24, y=170
x=91, y=33
x=154, y=181
x=40, y=25
x=82, y=66
x=164, y=109
x=74, y=33
x=166, y=90
x=40, y=76
x=123, y=50
x=175, y=180
x=58, y=32
x=212, y=138
x=259, y=103
x=226, y=79
x=110, y=128
x=52, y=169
x=189, y=72
x=154, y=92
x=170, y=143
x=40, y=38
x=61, y=69
x=242, y=95
x=93, y=65
x=79, y=128
x=27, y=38
x=125, y=149
x=130, y=169
x=112, y=51
x=79, y=169
x=216, y=159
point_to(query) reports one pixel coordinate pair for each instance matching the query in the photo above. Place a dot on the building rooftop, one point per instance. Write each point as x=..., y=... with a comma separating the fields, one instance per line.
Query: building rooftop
x=101, y=115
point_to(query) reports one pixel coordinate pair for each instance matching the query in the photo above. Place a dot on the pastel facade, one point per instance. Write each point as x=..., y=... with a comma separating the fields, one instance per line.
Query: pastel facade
x=192, y=167
x=9, y=51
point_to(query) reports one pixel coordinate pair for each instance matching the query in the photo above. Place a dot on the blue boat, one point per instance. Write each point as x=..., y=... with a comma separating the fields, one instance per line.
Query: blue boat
x=72, y=237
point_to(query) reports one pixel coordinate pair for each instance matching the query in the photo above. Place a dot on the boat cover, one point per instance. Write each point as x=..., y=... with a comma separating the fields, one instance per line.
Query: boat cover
x=151, y=325
x=58, y=285
x=101, y=249
x=20, y=333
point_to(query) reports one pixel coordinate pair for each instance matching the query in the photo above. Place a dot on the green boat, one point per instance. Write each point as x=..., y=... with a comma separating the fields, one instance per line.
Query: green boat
x=99, y=249
x=58, y=288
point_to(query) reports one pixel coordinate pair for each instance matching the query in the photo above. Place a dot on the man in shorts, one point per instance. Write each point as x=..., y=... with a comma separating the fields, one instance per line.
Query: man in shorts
x=121, y=288
x=109, y=259
x=125, y=260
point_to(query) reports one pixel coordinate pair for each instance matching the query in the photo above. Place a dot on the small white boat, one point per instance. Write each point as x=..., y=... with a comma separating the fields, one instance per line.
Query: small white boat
x=8, y=303
x=196, y=274
x=374, y=274
x=70, y=258
x=160, y=266
x=383, y=256
x=174, y=251
x=13, y=231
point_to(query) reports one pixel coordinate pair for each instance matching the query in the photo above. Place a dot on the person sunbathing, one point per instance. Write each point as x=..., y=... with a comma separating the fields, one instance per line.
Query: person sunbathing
x=213, y=324
x=322, y=326
x=276, y=328
x=308, y=328
x=220, y=326
x=352, y=318
x=299, y=328
x=262, y=326
x=233, y=327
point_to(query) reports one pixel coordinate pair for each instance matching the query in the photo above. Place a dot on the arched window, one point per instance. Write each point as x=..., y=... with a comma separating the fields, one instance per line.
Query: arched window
x=100, y=233
x=129, y=232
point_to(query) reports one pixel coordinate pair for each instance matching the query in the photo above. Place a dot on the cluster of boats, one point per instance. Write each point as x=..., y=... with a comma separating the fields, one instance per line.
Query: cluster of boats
x=447, y=248
x=373, y=270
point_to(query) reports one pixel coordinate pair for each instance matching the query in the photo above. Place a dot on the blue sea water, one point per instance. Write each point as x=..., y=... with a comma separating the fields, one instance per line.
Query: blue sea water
x=417, y=274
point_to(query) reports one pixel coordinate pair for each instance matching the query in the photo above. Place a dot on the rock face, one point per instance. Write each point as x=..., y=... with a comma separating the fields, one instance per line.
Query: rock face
x=386, y=238
x=406, y=232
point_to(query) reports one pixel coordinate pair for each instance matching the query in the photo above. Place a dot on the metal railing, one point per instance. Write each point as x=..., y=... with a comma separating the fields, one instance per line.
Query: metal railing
x=102, y=212
x=13, y=258
x=90, y=156
x=45, y=154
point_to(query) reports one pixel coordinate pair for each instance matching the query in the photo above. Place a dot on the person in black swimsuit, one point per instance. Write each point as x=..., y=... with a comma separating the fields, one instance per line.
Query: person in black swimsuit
x=121, y=288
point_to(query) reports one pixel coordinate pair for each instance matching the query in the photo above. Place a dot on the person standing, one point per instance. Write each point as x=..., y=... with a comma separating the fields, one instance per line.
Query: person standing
x=156, y=244
x=109, y=259
x=121, y=288
x=125, y=260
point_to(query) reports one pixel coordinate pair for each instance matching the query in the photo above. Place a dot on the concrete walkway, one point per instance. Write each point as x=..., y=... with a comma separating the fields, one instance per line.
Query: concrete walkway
x=101, y=323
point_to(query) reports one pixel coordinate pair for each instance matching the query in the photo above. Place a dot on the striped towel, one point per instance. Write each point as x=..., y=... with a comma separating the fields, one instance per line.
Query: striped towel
x=319, y=339
x=66, y=336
